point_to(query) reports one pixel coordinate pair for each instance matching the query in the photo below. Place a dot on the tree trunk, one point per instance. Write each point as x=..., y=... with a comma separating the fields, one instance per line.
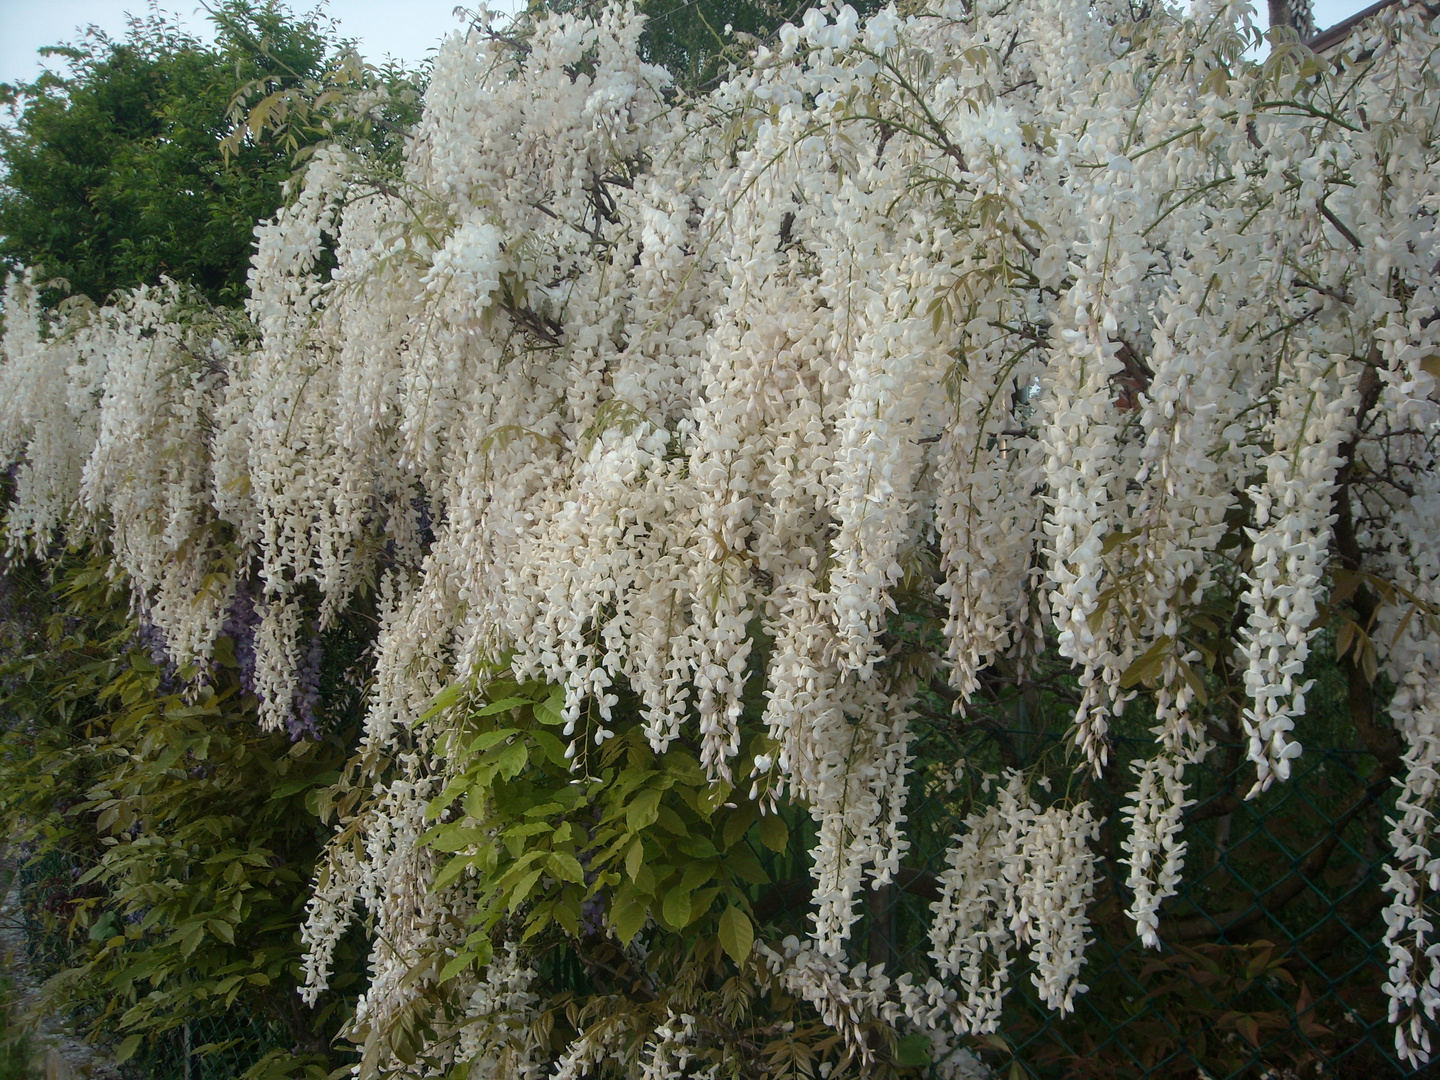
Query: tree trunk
x=1296, y=14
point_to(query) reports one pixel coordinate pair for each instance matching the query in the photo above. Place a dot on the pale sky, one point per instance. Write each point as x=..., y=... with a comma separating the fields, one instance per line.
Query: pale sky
x=403, y=29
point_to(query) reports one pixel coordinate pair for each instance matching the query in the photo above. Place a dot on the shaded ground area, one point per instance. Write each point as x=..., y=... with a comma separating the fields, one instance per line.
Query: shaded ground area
x=52, y=1049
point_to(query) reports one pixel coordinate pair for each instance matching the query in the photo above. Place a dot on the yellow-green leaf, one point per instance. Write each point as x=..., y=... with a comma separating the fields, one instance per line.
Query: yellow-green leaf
x=737, y=935
x=634, y=859
x=676, y=908
x=628, y=919
x=566, y=867
x=774, y=833
x=513, y=760
x=696, y=874
x=126, y=1050
x=643, y=810
x=521, y=892
x=452, y=870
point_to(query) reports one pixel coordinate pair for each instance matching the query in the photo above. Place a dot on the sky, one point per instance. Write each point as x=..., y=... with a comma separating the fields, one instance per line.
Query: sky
x=402, y=29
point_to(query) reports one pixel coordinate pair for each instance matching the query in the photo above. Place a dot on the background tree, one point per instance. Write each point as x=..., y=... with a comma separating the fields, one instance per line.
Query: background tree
x=113, y=171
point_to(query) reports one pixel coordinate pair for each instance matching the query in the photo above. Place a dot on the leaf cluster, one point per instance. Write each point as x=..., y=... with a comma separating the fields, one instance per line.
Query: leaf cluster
x=644, y=838
x=187, y=825
x=634, y=888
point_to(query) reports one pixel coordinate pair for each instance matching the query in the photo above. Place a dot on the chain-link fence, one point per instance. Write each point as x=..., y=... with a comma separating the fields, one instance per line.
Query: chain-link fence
x=206, y=1048
x=1271, y=964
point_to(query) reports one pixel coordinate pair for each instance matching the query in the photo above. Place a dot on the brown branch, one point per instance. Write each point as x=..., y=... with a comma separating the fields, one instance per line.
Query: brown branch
x=1380, y=739
x=1340, y=226
x=1335, y=294
x=794, y=894
x=1289, y=887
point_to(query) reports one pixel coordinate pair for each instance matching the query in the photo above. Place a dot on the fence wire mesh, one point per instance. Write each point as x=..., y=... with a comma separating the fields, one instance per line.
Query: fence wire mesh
x=1271, y=963
x=207, y=1048
x=1270, y=966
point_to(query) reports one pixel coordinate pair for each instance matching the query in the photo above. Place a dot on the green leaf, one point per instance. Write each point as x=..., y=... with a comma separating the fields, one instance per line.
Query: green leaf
x=225, y=652
x=291, y=787
x=452, y=870
x=126, y=1050
x=1197, y=685
x=1114, y=540
x=1147, y=667
x=503, y=705
x=513, y=760
x=774, y=833
x=671, y=821
x=913, y=1052
x=487, y=739
x=443, y=700
x=676, y=908
x=701, y=901
x=645, y=878
x=551, y=710
x=452, y=838
x=628, y=918
x=567, y=914
x=566, y=867
x=644, y=810
x=741, y=862
x=698, y=847
x=711, y=797
x=191, y=938
x=737, y=934
x=696, y=874
x=104, y=927
x=456, y=965
x=551, y=746
x=738, y=824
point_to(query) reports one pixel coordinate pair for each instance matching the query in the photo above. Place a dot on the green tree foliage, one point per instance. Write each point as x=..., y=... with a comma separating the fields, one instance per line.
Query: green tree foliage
x=696, y=40
x=114, y=173
x=693, y=38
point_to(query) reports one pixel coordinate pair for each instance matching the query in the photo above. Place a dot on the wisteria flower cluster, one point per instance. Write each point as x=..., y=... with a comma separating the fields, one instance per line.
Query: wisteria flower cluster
x=609, y=380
